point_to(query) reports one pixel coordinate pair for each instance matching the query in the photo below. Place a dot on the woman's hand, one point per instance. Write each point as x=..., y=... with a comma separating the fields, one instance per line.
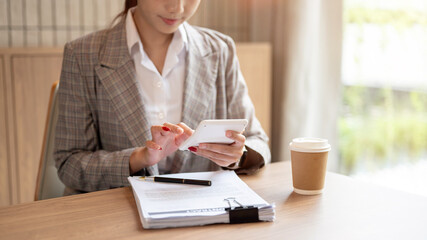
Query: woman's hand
x=166, y=139
x=222, y=154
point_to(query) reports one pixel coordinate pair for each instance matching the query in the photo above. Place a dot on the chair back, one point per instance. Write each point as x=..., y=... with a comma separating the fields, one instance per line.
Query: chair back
x=48, y=183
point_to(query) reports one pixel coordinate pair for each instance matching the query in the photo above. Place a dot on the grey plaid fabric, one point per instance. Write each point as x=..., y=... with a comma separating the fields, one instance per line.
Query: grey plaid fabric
x=101, y=112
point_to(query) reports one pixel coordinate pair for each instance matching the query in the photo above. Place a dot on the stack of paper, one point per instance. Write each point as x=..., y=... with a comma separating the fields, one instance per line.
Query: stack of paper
x=164, y=205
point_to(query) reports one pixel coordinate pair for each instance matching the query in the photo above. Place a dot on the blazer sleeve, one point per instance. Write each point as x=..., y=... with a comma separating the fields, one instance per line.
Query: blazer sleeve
x=239, y=105
x=81, y=164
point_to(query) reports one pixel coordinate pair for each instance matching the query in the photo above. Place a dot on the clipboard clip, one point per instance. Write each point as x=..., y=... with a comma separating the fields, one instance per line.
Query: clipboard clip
x=241, y=214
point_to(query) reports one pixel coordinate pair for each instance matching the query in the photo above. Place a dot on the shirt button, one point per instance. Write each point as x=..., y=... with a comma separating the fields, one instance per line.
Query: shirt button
x=159, y=84
x=161, y=115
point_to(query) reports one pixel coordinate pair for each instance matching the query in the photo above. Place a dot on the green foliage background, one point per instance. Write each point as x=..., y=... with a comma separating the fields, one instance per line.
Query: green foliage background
x=380, y=126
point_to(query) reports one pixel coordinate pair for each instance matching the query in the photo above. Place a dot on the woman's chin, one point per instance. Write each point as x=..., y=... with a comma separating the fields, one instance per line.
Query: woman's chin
x=169, y=29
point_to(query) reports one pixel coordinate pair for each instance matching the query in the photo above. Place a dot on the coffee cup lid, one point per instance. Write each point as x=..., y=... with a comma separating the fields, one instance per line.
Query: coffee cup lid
x=310, y=144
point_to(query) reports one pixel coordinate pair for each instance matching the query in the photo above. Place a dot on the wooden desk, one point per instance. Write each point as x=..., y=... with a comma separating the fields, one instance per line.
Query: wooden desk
x=346, y=210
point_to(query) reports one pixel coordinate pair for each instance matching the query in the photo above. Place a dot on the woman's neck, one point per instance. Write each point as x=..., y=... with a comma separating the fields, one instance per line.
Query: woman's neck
x=155, y=43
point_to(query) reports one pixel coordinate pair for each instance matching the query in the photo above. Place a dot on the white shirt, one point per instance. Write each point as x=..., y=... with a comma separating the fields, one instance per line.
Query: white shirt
x=162, y=93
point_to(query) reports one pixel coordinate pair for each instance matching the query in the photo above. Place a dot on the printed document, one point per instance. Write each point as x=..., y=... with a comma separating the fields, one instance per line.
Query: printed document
x=162, y=205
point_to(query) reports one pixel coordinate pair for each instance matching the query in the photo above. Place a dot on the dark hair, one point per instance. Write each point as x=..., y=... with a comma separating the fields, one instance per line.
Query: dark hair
x=128, y=5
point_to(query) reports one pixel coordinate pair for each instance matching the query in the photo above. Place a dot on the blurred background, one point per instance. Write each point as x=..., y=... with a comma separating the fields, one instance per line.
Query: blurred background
x=383, y=117
x=351, y=71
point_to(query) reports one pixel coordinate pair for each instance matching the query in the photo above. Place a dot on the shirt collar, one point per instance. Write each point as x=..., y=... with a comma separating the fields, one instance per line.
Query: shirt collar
x=179, y=40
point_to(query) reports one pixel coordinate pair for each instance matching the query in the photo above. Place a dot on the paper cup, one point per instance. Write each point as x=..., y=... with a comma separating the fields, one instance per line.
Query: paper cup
x=309, y=157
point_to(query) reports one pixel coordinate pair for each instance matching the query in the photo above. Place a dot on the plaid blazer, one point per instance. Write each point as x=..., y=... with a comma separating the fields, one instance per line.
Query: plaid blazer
x=101, y=112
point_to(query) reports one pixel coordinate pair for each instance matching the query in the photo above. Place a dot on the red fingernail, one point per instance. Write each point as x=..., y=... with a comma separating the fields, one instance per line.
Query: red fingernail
x=193, y=149
x=160, y=148
x=166, y=129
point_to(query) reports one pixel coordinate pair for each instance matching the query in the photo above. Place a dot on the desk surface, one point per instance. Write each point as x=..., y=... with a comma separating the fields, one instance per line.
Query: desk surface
x=348, y=209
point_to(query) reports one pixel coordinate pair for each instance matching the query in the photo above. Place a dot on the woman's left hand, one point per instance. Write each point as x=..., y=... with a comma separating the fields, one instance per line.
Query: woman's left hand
x=222, y=154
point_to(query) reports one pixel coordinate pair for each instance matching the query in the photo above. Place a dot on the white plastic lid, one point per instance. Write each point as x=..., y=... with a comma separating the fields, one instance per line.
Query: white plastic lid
x=310, y=144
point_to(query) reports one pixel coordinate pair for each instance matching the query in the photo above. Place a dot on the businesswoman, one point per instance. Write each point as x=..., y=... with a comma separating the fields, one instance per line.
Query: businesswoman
x=131, y=94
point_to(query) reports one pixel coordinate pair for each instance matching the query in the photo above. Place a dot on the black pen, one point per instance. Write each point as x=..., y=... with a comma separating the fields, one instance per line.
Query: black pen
x=177, y=180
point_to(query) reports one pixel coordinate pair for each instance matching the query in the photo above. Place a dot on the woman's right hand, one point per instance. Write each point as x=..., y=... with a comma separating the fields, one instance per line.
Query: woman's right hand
x=166, y=139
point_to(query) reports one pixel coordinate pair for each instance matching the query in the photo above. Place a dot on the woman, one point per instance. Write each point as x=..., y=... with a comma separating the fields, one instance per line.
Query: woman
x=131, y=94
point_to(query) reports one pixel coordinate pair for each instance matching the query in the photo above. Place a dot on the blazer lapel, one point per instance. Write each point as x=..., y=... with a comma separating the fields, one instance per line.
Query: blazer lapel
x=200, y=83
x=117, y=74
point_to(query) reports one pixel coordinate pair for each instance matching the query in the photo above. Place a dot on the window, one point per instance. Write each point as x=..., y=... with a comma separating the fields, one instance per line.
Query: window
x=383, y=122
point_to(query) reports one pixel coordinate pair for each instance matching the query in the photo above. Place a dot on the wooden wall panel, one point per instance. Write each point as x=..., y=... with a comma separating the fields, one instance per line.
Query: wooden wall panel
x=232, y=18
x=5, y=191
x=32, y=77
x=255, y=63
